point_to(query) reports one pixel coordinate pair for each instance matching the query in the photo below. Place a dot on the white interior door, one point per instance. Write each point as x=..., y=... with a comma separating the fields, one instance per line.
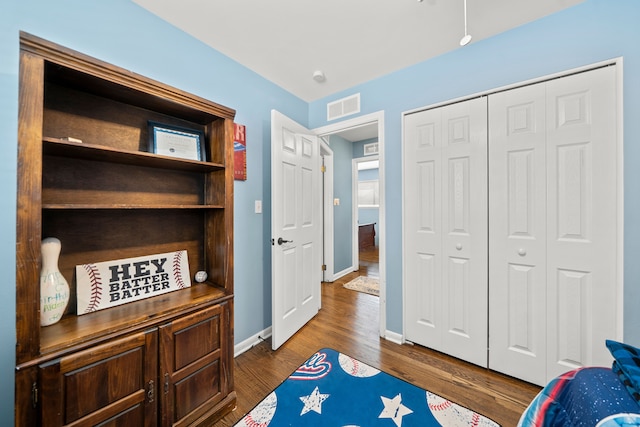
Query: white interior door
x=553, y=225
x=296, y=226
x=445, y=229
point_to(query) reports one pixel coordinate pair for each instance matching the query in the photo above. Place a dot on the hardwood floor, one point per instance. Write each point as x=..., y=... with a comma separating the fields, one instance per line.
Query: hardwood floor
x=348, y=322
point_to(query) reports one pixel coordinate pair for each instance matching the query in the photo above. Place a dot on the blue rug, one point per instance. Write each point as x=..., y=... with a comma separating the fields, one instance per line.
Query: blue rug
x=334, y=390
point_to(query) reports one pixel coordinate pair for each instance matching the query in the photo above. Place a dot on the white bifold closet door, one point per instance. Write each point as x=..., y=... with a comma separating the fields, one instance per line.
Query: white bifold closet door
x=445, y=226
x=552, y=225
x=510, y=226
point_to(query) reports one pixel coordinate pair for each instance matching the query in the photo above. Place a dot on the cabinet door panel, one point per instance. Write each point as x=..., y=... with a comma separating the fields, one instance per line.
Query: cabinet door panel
x=192, y=365
x=110, y=383
x=196, y=388
x=197, y=340
x=133, y=416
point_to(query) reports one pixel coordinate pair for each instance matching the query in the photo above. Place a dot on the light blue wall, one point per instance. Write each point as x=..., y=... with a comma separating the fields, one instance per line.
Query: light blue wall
x=593, y=31
x=8, y=166
x=342, y=214
x=122, y=33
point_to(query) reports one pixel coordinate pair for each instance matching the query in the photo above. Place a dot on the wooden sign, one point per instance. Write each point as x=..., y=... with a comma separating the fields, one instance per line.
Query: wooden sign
x=112, y=283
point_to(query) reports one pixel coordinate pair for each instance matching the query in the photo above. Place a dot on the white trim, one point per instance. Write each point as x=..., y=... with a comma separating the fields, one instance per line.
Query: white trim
x=402, y=221
x=355, y=249
x=394, y=337
x=618, y=62
x=377, y=117
x=251, y=342
x=327, y=178
x=343, y=273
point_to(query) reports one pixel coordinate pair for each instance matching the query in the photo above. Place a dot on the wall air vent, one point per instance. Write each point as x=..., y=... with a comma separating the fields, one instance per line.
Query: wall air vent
x=343, y=107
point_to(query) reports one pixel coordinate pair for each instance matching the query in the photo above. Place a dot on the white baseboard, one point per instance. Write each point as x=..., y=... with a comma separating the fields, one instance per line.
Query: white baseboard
x=394, y=337
x=256, y=339
x=342, y=273
x=251, y=342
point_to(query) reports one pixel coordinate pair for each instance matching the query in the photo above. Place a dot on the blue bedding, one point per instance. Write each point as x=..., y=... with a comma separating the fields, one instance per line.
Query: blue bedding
x=583, y=397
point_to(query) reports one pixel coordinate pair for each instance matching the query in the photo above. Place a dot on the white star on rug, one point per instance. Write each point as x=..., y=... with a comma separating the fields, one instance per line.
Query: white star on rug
x=313, y=402
x=394, y=409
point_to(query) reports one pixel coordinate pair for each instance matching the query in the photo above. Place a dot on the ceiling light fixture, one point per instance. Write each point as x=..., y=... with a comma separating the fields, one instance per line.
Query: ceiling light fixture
x=467, y=38
x=319, y=76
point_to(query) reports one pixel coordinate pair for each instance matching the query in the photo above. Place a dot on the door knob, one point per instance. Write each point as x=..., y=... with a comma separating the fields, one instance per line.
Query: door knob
x=281, y=241
x=459, y=246
x=522, y=252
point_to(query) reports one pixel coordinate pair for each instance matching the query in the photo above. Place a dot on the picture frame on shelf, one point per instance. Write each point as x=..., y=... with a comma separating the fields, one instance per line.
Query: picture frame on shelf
x=176, y=141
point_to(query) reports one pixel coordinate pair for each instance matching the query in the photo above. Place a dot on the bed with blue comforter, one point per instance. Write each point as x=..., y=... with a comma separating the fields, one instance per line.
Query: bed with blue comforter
x=592, y=396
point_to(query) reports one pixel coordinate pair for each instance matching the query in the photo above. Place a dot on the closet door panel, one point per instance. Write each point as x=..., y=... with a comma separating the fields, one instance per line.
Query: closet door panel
x=446, y=229
x=464, y=216
x=582, y=219
x=423, y=272
x=517, y=233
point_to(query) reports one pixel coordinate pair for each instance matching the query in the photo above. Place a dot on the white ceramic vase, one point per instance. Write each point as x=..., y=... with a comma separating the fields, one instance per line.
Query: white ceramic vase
x=54, y=289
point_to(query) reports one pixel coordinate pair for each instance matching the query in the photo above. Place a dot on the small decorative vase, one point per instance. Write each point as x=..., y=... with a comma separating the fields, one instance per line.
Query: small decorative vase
x=54, y=289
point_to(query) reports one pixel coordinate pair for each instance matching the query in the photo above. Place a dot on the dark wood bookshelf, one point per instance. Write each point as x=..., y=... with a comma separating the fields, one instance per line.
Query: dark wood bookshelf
x=109, y=198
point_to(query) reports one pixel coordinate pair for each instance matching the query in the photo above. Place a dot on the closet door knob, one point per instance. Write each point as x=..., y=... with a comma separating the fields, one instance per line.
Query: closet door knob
x=522, y=252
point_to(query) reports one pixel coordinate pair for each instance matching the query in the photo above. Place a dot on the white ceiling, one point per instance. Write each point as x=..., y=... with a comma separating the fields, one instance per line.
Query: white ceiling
x=351, y=41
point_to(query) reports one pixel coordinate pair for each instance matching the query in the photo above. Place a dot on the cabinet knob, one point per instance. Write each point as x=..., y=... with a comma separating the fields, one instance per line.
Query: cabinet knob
x=522, y=251
x=459, y=246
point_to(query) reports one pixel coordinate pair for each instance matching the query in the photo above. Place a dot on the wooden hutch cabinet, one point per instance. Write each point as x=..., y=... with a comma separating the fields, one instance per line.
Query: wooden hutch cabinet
x=165, y=360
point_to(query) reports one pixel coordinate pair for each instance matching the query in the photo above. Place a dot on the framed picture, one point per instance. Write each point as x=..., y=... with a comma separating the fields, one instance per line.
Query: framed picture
x=371, y=149
x=176, y=141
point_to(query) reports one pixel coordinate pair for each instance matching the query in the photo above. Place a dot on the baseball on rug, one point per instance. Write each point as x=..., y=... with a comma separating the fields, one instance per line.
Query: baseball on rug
x=333, y=389
x=368, y=285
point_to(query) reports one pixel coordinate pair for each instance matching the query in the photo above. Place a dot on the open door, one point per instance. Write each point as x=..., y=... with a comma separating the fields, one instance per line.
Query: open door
x=296, y=226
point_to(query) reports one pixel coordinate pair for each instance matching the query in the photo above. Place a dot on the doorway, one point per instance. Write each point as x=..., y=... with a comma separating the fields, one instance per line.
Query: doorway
x=361, y=128
x=365, y=179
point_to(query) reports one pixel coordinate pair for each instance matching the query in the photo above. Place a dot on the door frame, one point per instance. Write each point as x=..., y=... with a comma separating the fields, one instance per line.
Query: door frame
x=323, y=131
x=619, y=147
x=326, y=153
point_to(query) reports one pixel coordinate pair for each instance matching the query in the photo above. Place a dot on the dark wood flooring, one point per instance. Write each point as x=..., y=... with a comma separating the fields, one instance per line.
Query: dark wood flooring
x=348, y=322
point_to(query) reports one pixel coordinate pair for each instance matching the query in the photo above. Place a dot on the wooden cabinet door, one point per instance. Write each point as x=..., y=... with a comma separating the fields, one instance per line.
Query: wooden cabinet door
x=112, y=384
x=193, y=359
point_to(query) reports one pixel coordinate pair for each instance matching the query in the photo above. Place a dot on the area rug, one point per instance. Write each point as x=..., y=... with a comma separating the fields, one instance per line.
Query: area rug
x=332, y=389
x=364, y=284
